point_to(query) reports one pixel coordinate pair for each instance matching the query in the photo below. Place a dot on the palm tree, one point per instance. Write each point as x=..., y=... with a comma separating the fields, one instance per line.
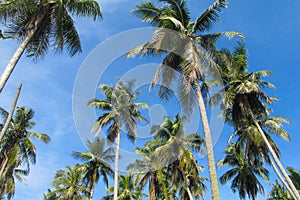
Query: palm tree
x=187, y=47
x=246, y=103
x=41, y=24
x=97, y=163
x=69, y=185
x=174, y=149
x=16, y=147
x=168, y=164
x=243, y=173
x=127, y=189
x=119, y=107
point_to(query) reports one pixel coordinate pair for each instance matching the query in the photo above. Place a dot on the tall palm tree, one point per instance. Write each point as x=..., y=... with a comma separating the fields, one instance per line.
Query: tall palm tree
x=41, y=24
x=127, y=189
x=69, y=185
x=246, y=103
x=119, y=107
x=97, y=163
x=244, y=172
x=187, y=47
x=16, y=147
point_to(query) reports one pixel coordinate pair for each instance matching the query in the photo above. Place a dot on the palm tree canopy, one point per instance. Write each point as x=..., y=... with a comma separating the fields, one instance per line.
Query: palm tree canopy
x=96, y=161
x=185, y=43
x=119, y=107
x=51, y=19
x=168, y=164
x=127, y=189
x=171, y=142
x=244, y=172
x=68, y=184
x=17, y=138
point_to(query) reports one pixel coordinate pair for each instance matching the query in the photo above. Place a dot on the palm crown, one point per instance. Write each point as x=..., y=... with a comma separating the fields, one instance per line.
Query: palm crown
x=17, y=151
x=51, y=20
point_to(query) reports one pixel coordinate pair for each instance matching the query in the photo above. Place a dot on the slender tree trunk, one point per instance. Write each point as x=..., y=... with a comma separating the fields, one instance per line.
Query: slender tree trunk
x=152, y=192
x=208, y=145
x=3, y=165
x=14, y=60
x=276, y=159
x=117, y=165
x=282, y=179
x=6, y=124
x=92, y=190
x=11, y=112
x=189, y=193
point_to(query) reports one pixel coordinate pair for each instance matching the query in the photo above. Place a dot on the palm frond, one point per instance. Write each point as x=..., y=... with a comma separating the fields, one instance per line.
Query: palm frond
x=65, y=32
x=147, y=12
x=40, y=136
x=87, y=8
x=209, y=17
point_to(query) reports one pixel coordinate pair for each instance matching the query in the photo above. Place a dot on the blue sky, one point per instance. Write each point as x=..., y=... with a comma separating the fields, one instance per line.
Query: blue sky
x=271, y=29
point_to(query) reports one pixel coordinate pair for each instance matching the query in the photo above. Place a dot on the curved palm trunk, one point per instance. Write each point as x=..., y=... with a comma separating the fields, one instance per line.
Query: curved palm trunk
x=208, y=145
x=117, y=165
x=152, y=192
x=282, y=179
x=276, y=159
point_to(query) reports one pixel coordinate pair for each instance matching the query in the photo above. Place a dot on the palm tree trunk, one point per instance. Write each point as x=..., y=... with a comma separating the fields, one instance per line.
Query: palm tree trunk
x=208, y=145
x=3, y=165
x=14, y=60
x=31, y=31
x=189, y=193
x=282, y=179
x=11, y=112
x=6, y=124
x=117, y=164
x=276, y=159
x=152, y=192
x=92, y=190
